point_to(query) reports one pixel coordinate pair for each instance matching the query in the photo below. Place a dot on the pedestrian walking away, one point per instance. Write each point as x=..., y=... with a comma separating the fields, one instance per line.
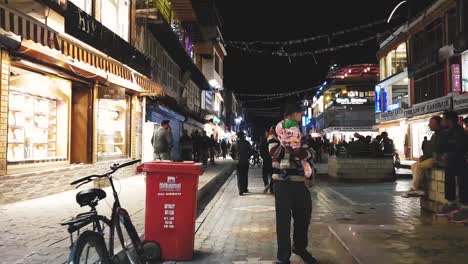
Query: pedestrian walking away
x=244, y=151
x=267, y=164
x=186, y=146
x=162, y=142
x=292, y=198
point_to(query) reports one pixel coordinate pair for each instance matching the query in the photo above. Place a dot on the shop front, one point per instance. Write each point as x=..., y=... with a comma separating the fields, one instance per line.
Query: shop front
x=418, y=120
x=155, y=114
x=341, y=134
x=38, y=120
x=394, y=123
x=113, y=123
x=67, y=110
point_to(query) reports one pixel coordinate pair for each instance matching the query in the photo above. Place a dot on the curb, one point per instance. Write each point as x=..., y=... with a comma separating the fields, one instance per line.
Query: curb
x=211, y=186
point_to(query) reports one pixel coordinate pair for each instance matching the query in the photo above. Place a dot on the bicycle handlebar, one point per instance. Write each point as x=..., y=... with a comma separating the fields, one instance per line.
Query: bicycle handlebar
x=113, y=168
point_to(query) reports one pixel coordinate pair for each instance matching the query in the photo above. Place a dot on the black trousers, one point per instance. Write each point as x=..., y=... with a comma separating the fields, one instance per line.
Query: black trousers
x=266, y=175
x=292, y=199
x=242, y=177
x=461, y=174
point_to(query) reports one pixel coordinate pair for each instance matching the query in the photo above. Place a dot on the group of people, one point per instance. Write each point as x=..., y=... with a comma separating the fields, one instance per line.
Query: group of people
x=448, y=150
x=196, y=147
x=379, y=146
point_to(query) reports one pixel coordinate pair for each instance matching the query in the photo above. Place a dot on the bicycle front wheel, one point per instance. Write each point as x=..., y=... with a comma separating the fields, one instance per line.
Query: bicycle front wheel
x=128, y=236
x=90, y=248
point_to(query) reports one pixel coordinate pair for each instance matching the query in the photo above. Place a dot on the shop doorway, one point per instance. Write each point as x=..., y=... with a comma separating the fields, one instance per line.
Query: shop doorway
x=81, y=124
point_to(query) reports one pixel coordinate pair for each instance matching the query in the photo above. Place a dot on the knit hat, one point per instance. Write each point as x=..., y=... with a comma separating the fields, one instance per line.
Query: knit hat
x=292, y=108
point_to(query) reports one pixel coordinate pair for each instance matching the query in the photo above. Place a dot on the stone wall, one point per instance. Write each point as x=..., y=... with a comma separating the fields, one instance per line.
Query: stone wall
x=33, y=185
x=435, y=199
x=361, y=169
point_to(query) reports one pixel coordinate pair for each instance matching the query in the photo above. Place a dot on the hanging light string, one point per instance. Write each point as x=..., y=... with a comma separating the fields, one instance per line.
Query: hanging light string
x=309, y=39
x=282, y=53
x=281, y=94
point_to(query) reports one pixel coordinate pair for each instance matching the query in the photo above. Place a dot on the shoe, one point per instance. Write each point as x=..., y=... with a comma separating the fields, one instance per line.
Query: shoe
x=460, y=217
x=448, y=209
x=306, y=257
x=241, y=194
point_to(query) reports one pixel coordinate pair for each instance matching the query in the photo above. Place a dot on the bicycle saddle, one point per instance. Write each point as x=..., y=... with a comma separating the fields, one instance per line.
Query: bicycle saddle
x=87, y=196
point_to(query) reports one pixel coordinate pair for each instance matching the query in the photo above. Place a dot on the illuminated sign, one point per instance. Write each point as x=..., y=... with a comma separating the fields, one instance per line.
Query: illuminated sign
x=456, y=74
x=465, y=72
x=392, y=107
x=351, y=101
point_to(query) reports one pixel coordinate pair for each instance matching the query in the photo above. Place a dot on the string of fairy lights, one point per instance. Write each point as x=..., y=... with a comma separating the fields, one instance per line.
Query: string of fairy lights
x=309, y=39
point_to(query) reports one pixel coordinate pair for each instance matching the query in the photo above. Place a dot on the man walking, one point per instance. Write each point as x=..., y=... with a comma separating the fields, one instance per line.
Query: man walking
x=454, y=147
x=162, y=142
x=267, y=166
x=426, y=161
x=292, y=198
x=244, y=151
x=186, y=146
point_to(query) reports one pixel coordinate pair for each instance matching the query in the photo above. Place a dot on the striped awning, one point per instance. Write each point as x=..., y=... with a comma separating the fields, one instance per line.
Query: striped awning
x=31, y=29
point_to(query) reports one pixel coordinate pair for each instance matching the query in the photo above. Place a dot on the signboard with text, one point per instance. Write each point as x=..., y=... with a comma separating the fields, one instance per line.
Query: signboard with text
x=464, y=70
x=460, y=102
x=456, y=78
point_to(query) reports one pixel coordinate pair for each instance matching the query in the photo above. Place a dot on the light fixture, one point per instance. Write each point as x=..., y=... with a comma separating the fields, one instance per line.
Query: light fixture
x=394, y=10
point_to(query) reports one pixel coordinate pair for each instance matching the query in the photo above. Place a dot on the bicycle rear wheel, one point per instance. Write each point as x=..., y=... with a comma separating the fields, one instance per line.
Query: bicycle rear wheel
x=128, y=236
x=90, y=248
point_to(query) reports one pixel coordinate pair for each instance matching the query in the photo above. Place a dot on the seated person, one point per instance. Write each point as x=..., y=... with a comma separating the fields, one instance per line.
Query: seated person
x=426, y=161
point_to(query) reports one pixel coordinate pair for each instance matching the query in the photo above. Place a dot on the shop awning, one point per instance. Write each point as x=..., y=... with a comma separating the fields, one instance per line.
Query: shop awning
x=44, y=43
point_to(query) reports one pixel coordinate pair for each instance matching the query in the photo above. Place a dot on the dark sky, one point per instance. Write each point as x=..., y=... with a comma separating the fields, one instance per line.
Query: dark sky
x=285, y=20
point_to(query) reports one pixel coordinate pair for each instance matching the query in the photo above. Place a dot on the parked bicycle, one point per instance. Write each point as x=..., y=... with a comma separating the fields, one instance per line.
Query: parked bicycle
x=90, y=246
x=255, y=160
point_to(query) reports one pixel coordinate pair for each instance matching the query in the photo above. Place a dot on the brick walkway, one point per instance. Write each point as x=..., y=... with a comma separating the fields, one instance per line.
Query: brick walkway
x=30, y=230
x=242, y=229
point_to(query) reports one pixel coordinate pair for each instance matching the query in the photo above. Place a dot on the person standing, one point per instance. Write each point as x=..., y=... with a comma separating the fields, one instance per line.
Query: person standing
x=244, y=151
x=292, y=198
x=454, y=147
x=186, y=146
x=267, y=164
x=162, y=142
x=204, y=147
x=424, y=145
x=212, y=149
x=224, y=148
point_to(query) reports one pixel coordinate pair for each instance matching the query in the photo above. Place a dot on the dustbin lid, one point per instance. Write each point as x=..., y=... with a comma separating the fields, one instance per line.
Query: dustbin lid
x=172, y=167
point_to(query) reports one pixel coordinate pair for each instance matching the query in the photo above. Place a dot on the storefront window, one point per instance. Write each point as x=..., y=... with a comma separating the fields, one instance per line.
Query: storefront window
x=419, y=130
x=38, y=118
x=465, y=72
x=115, y=16
x=112, y=132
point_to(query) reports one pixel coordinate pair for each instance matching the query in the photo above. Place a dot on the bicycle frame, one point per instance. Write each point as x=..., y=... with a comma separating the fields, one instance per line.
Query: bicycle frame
x=97, y=219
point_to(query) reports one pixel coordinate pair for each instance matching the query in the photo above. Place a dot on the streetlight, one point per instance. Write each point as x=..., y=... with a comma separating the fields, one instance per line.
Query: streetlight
x=394, y=10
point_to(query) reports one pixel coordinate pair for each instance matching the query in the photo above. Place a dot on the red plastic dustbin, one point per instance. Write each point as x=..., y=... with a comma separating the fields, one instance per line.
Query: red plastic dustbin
x=171, y=205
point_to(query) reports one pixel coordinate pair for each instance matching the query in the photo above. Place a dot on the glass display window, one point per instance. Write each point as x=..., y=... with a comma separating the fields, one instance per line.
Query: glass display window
x=38, y=118
x=112, y=128
x=419, y=130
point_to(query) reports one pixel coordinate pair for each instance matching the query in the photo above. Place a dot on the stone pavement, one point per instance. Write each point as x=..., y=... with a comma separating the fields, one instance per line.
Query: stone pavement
x=30, y=231
x=241, y=229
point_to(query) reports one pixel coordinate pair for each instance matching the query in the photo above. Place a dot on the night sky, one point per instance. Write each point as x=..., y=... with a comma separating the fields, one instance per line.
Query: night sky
x=287, y=20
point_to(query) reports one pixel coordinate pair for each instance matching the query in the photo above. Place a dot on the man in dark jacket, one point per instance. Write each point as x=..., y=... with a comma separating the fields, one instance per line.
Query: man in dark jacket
x=185, y=143
x=267, y=166
x=162, y=142
x=292, y=198
x=244, y=151
x=204, y=147
x=454, y=147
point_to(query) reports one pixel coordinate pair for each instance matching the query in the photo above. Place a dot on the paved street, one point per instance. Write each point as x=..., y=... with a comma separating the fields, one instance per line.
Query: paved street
x=234, y=229
x=30, y=231
x=242, y=229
